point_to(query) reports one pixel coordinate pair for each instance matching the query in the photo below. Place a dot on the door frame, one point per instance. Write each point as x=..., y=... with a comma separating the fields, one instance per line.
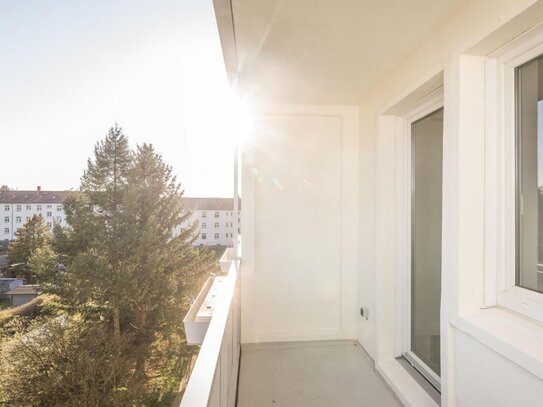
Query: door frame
x=404, y=213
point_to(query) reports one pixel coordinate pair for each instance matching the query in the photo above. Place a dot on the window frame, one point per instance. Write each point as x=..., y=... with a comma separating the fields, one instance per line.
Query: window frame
x=500, y=287
x=404, y=174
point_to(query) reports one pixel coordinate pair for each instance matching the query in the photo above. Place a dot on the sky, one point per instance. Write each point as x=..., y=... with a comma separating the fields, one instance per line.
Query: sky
x=69, y=70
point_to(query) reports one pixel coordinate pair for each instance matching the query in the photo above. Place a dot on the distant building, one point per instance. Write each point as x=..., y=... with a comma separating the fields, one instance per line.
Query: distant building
x=17, y=207
x=217, y=221
x=216, y=218
x=8, y=284
x=23, y=294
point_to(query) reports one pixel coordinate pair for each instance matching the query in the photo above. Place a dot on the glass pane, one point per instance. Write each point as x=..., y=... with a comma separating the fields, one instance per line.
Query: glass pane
x=427, y=163
x=530, y=175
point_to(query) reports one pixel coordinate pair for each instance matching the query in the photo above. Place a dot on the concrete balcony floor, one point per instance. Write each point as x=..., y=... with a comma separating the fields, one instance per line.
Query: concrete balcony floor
x=313, y=374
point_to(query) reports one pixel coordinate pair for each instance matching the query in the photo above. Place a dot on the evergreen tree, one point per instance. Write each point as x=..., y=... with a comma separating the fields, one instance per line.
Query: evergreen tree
x=124, y=268
x=32, y=236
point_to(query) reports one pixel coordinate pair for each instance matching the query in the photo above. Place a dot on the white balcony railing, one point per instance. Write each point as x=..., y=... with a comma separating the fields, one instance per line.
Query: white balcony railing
x=214, y=378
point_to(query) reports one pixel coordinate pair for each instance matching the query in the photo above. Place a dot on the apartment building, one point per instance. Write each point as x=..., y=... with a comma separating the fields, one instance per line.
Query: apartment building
x=217, y=220
x=17, y=207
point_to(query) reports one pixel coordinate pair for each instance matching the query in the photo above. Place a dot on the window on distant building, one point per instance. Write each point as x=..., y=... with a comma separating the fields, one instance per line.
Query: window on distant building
x=226, y=224
x=216, y=214
x=227, y=235
x=216, y=225
x=59, y=219
x=27, y=218
x=28, y=207
x=230, y=234
x=18, y=208
x=204, y=225
x=18, y=219
x=238, y=230
x=204, y=214
x=6, y=207
x=6, y=219
x=49, y=225
x=49, y=206
x=59, y=208
x=216, y=235
x=49, y=214
x=6, y=231
x=38, y=207
x=204, y=236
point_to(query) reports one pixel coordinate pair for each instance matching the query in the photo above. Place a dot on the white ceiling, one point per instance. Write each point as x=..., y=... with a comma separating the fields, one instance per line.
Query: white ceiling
x=326, y=51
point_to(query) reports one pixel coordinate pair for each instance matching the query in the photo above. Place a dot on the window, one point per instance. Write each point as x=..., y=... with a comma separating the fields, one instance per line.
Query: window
x=27, y=218
x=216, y=225
x=227, y=235
x=18, y=219
x=216, y=236
x=28, y=207
x=38, y=207
x=18, y=208
x=216, y=214
x=49, y=206
x=59, y=219
x=514, y=275
x=6, y=231
x=6, y=219
x=49, y=225
x=204, y=214
x=204, y=236
x=226, y=224
x=529, y=167
x=204, y=225
x=49, y=214
x=6, y=208
x=59, y=208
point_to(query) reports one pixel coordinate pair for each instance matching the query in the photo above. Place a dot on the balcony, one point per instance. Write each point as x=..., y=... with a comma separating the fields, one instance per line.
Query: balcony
x=303, y=373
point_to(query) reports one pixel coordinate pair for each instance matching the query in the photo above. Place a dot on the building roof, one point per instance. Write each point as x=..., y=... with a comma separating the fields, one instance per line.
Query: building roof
x=27, y=197
x=26, y=289
x=210, y=204
x=48, y=197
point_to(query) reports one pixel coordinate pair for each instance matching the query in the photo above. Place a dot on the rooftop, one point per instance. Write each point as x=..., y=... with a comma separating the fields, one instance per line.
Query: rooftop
x=27, y=197
x=26, y=289
x=211, y=204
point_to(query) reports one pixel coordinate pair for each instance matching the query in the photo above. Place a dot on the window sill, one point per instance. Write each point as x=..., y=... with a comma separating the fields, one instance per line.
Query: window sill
x=513, y=336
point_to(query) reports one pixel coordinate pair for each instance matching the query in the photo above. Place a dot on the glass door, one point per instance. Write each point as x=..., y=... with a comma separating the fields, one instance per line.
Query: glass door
x=425, y=275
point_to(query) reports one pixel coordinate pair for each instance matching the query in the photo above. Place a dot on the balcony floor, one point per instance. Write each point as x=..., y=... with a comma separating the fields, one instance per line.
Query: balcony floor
x=316, y=374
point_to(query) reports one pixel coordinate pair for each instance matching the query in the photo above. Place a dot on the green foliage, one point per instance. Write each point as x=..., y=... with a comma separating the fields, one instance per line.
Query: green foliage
x=32, y=236
x=121, y=279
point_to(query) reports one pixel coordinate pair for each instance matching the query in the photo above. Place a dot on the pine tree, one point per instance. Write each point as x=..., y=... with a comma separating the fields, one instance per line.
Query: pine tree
x=32, y=236
x=123, y=264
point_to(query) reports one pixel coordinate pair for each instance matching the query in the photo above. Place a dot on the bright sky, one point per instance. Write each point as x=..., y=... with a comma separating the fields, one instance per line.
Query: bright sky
x=70, y=69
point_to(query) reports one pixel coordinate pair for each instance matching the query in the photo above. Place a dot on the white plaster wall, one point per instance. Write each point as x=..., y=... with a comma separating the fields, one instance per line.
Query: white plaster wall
x=300, y=238
x=477, y=378
x=478, y=28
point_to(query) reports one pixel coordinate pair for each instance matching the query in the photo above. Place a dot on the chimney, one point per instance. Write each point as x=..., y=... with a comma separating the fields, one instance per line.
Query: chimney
x=39, y=188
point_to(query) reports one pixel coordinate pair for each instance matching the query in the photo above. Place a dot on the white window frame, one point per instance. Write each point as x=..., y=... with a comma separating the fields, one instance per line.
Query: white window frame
x=429, y=104
x=500, y=179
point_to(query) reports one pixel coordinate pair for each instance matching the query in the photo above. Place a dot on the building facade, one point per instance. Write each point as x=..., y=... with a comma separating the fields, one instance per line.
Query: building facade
x=17, y=207
x=217, y=221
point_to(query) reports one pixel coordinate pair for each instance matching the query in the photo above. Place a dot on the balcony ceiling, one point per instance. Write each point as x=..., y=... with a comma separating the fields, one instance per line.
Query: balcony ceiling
x=328, y=52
